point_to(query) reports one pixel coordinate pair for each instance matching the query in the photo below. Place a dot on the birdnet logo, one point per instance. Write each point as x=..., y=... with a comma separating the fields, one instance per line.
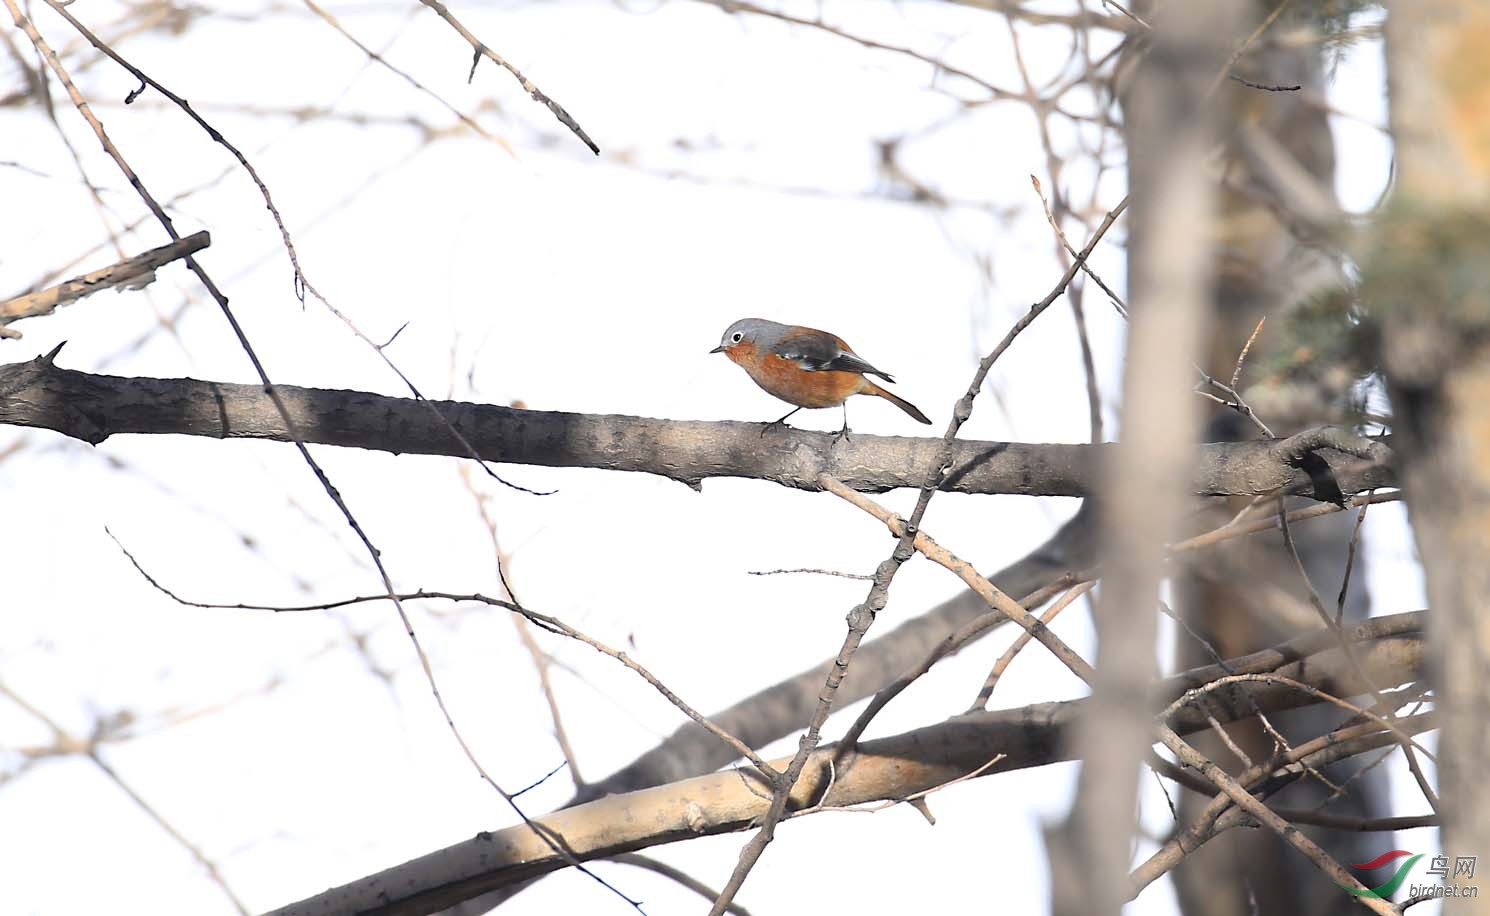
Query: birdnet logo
x=1385, y=891
x=1438, y=867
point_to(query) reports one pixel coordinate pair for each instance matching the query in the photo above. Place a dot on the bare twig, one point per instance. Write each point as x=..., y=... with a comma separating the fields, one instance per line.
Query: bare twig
x=1355, y=539
x=1220, y=812
x=1233, y=400
x=739, y=6
x=89, y=748
x=1117, y=301
x=1065, y=601
x=1228, y=531
x=1126, y=12
x=805, y=571
x=1194, y=694
x=419, y=87
x=677, y=875
x=929, y=548
x=1236, y=374
x=552, y=624
x=480, y=50
x=1315, y=602
x=1241, y=49
x=541, y=659
x=302, y=284
x=1243, y=799
x=1265, y=87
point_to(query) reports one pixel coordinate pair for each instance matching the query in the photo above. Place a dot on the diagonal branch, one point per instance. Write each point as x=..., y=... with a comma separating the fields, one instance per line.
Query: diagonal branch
x=130, y=273
x=893, y=768
x=480, y=50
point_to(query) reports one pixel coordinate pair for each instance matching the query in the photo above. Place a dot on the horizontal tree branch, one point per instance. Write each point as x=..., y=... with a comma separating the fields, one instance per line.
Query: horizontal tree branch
x=890, y=768
x=91, y=407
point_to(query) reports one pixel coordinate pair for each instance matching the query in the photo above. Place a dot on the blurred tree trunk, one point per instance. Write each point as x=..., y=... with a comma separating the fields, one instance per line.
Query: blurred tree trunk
x=1251, y=595
x=1426, y=281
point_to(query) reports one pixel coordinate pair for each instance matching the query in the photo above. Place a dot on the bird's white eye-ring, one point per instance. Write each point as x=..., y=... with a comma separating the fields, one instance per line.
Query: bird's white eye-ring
x=735, y=337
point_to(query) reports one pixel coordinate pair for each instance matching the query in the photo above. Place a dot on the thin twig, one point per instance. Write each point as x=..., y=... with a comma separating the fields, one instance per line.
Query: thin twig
x=638, y=860
x=1232, y=400
x=1281, y=743
x=1241, y=49
x=1126, y=12
x=540, y=658
x=814, y=572
x=302, y=284
x=552, y=624
x=1314, y=601
x=1190, y=757
x=1355, y=539
x=90, y=750
x=418, y=86
x=1265, y=87
x=738, y=6
x=936, y=553
x=540, y=780
x=1236, y=374
x=1117, y=301
x=1229, y=531
x=1220, y=810
x=1065, y=601
x=1192, y=695
x=480, y=50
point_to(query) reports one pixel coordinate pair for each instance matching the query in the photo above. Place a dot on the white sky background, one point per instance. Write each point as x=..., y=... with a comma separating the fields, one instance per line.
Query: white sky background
x=572, y=283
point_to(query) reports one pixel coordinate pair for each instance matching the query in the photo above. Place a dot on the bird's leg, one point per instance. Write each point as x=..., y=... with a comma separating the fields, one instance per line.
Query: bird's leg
x=843, y=433
x=781, y=422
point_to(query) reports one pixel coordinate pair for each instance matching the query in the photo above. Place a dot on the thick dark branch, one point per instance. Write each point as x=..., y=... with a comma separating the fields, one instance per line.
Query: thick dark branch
x=94, y=407
x=888, y=768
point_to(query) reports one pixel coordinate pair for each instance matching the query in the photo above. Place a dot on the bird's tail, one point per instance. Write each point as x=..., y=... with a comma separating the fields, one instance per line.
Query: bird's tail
x=897, y=400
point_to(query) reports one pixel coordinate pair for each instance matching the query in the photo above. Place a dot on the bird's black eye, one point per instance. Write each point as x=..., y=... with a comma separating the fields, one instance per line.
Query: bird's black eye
x=736, y=336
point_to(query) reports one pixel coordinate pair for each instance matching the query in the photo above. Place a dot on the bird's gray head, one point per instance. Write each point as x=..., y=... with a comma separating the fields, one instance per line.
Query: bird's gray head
x=757, y=332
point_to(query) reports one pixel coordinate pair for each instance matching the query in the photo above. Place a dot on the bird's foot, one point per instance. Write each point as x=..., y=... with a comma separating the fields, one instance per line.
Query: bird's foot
x=781, y=422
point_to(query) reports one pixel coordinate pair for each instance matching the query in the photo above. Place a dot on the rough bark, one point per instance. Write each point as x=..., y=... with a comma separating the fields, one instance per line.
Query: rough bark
x=94, y=407
x=885, y=769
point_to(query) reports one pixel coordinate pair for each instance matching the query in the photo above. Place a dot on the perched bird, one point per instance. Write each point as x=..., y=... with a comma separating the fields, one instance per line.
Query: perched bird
x=805, y=367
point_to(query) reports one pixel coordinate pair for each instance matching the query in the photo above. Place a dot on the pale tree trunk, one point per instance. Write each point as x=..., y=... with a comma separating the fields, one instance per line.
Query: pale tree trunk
x=1427, y=282
x=1276, y=193
x=1280, y=170
x=1172, y=128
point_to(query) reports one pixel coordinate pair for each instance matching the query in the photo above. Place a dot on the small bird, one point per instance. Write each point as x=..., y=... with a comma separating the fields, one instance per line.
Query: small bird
x=805, y=367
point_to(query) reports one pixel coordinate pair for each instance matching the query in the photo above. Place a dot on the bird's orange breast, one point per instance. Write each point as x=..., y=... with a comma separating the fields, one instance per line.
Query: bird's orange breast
x=793, y=384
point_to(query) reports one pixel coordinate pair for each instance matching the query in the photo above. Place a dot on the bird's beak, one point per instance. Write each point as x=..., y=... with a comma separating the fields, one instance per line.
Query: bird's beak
x=718, y=349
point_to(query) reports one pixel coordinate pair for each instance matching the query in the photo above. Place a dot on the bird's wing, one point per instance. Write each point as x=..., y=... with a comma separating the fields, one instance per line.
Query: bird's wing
x=821, y=352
